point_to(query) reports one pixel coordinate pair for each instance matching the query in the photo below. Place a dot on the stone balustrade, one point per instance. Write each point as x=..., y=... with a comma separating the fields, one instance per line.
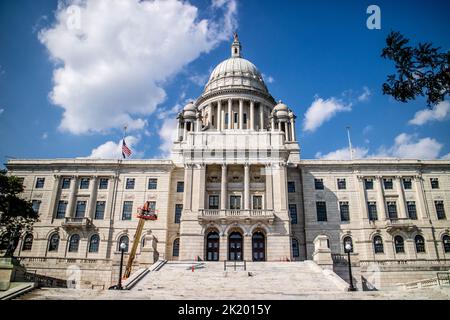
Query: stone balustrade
x=253, y=214
x=71, y=222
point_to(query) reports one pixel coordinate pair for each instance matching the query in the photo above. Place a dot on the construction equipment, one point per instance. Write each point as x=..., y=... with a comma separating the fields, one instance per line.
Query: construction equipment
x=144, y=213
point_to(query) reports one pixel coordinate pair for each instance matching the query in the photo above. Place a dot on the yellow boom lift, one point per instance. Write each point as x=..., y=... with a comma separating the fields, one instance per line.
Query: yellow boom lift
x=144, y=213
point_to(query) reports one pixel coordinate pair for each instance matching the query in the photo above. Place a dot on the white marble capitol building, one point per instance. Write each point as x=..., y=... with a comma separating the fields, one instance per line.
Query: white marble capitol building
x=236, y=188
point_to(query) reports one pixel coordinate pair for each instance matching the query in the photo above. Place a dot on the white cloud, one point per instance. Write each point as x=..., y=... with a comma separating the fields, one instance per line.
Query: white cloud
x=408, y=146
x=446, y=157
x=343, y=154
x=405, y=146
x=167, y=135
x=367, y=129
x=113, y=150
x=111, y=70
x=268, y=79
x=1, y=111
x=321, y=111
x=44, y=136
x=439, y=113
x=365, y=95
x=199, y=79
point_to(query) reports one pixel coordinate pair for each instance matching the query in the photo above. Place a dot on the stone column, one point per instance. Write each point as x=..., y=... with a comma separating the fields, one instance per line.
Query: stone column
x=109, y=209
x=72, y=197
x=93, y=198
x=422, y=213
x=230, y=115
x=252, y=115
x=247, y=247
x=294, y=138
x=261, y=116
x=223, y=188
x=272, y=124
x=54, y=197
x=283, y=186
x=362, y=198
x=185, y=131
x=202, y=186
x=286, y=131
x=241, y=114
x=246, y=186
x=199, y=122
x=187, y=195
x=380, y=198
x=178, y=129
x=219, y=116
x=401, y=198
x=269, y=188
x=222, y=119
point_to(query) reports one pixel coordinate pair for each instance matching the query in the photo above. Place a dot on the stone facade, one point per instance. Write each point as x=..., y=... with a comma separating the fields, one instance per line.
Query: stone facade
x=236, y=189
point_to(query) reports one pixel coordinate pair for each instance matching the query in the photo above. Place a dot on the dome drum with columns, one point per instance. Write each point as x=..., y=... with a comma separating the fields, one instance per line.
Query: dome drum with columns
x=236, y=98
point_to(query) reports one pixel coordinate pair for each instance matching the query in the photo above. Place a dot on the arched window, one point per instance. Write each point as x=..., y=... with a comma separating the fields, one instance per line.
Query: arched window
x=74, y=243
x=124, y=239
x=446, y=242
x=4, y=241
x=399, y=244
x=54, y=242
x=176, y=248
x=94, y=243
x=348, y=239
x=295, y=248
x=420, y=244
x=27, y=242
x=378, y=244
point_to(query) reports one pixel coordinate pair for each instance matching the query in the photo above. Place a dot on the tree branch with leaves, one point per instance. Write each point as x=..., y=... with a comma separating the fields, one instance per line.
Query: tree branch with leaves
x=420, y=71
x=16, y=214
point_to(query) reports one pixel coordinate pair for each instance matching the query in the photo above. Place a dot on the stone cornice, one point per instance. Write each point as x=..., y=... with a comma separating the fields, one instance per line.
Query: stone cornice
x=225, y=91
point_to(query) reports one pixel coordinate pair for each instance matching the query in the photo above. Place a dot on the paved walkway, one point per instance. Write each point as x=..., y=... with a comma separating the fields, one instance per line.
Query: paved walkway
x=261, y=281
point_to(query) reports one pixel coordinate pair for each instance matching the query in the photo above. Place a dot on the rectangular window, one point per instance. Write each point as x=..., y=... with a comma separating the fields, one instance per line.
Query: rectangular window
x=40, y=183
x=36, y=204
x=440, y=211
x=180, y=186
x=344, y=210
x=178, y=210
x=127, y=210
x=214, y=202
x=81, y=209
x=235, y=202
x=388, y=185
x=226, y=118
x=372, y=208
x=293, y=213
x=434, y=183
x=235, y=117
x=84, y=183
x=99, y=210
x=130, y=184
x=152, y=184
x=257, y=202
x=245, y=118
x=392, y=210
x=318, y=184
x=291, y=186
x=407, y=185
x=342, y=185
x=152, y=205
x=412, y=211
x=65, y=183
x=321, y=209
x=368, y=184
x=103, y=184
x=61, y=210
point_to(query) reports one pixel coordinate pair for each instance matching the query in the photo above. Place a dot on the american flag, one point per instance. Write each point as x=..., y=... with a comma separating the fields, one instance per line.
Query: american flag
x=126, y=152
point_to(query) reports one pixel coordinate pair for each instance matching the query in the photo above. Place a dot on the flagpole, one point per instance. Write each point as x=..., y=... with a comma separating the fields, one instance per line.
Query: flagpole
x=349, y=143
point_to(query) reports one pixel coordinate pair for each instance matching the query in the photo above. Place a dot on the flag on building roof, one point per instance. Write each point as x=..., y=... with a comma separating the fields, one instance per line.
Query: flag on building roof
x=126, y=152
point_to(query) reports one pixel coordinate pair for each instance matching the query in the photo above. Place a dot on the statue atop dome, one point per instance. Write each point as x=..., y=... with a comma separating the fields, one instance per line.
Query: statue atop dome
x=236, y=38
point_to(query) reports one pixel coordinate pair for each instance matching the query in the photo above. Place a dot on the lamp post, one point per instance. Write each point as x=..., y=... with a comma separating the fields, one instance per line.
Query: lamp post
x=122, y=250
x=348, y=248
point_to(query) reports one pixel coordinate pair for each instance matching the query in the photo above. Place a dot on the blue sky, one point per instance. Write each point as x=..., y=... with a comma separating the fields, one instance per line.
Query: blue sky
x=317, y=56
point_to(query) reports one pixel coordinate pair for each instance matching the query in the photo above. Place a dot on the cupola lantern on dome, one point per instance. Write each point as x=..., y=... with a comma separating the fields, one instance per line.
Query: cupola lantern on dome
x=236, y=47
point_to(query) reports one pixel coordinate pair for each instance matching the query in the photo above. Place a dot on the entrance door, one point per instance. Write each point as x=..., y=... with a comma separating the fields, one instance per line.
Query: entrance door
x=259, y=247
x=212, y=246
x=235, y=246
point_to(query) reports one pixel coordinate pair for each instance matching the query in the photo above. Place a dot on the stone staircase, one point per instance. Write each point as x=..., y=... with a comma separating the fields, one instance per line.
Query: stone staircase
x=210, y=281
x=261, y=281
